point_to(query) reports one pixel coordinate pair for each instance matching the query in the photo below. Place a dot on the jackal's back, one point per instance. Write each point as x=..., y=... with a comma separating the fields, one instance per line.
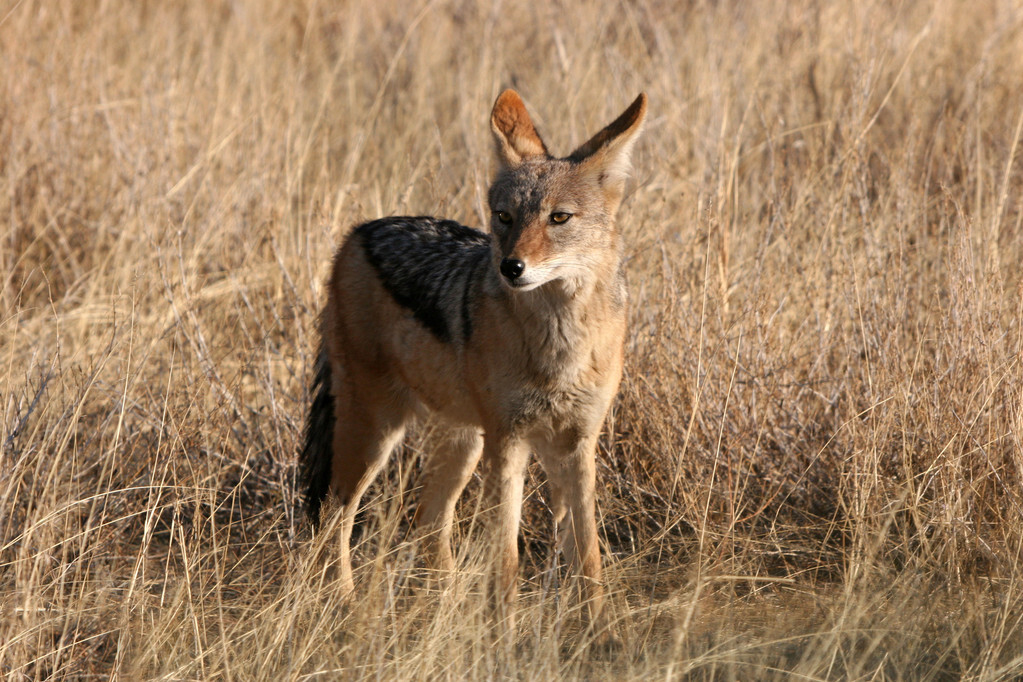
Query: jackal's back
x=428, y=266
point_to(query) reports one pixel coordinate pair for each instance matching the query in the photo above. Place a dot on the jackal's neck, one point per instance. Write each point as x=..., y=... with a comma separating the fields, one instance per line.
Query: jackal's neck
x=563, y=315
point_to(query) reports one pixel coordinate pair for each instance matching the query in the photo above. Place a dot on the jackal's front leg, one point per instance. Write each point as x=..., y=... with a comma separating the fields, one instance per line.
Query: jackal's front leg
x=505, y=461
x=571, y=470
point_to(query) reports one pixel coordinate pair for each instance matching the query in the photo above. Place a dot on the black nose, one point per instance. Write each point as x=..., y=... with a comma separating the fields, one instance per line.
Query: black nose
x=512, y=268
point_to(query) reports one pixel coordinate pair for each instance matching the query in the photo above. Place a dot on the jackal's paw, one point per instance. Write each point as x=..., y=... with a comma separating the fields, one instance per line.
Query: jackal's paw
x=606, y=646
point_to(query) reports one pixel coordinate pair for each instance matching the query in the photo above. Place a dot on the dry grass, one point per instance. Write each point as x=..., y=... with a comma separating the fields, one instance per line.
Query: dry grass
x=814, y=467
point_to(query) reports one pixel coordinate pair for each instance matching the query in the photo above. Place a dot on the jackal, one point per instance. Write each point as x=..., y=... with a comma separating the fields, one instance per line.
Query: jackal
x=514, y=340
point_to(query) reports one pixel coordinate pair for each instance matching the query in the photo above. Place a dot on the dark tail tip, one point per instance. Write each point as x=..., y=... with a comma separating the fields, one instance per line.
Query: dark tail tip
x=315, y=458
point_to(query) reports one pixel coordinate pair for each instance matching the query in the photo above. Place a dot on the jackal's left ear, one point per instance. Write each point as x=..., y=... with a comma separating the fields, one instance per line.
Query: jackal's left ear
x=514, y=132
x=608, y=152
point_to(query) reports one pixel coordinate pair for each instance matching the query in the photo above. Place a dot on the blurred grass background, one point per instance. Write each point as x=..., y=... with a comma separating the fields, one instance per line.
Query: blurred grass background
x=813, y=469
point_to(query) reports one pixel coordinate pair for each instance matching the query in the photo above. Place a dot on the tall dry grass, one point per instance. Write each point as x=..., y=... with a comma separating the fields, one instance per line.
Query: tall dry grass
x=814, y=466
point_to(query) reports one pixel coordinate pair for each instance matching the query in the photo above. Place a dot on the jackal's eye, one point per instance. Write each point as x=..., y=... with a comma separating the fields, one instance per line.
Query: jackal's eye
x=504, y=217
x=560, y=217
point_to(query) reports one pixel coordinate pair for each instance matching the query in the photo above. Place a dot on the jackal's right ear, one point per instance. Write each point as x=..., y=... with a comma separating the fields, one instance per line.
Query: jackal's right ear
x=514, y=133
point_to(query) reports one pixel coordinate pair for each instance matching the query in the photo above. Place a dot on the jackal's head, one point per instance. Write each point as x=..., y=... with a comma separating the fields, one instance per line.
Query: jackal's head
x=553, y=218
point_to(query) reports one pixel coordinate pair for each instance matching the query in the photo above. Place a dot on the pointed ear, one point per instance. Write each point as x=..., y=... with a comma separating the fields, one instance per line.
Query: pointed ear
x=514, y=133
x=608, y=152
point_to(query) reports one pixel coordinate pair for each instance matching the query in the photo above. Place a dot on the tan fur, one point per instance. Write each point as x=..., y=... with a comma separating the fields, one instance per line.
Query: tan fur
x=537, y=374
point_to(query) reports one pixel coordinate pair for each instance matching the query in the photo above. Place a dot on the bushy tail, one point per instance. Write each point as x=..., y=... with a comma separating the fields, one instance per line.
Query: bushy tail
x=316, y=456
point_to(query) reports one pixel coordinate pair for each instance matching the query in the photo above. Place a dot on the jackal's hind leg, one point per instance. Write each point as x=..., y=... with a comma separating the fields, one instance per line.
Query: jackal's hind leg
x=451, y=456
x=368, y=427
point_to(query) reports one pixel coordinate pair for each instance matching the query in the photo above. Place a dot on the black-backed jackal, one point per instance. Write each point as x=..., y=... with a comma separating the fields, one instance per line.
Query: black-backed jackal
x=513, y=340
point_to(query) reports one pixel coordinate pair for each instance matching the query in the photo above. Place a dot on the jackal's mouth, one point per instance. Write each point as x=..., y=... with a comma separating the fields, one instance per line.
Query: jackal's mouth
x=524, y=283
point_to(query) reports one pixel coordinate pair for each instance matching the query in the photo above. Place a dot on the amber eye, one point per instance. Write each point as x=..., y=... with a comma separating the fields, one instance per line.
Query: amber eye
x=560, y=217
x=504, y=217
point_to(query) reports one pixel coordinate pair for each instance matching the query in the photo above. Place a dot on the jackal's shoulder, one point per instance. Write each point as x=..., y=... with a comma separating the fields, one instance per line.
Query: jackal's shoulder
x=428, y=265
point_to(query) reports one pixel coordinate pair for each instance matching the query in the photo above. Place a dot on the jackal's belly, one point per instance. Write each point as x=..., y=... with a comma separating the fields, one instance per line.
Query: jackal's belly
x=432, y=371
x=501, y=392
